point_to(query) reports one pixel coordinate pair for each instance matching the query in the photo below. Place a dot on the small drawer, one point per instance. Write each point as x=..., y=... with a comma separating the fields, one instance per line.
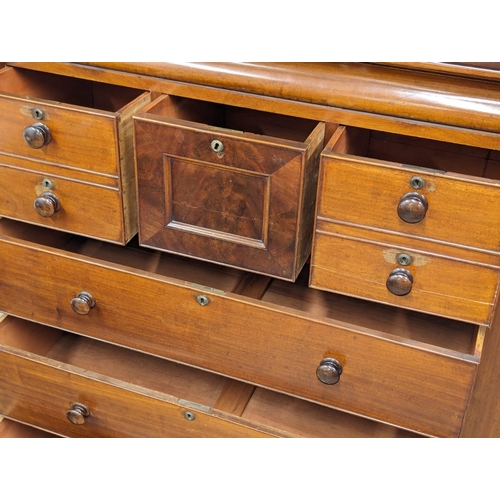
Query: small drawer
x=275, y=334
x=67, y=204
x=78, y=387
x=72, y=129
x=227, y=185
x=375, y=266
x=421, y=188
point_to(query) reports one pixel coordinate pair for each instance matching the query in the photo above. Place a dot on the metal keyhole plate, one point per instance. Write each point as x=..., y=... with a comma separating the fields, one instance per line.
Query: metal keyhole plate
x=217, y=146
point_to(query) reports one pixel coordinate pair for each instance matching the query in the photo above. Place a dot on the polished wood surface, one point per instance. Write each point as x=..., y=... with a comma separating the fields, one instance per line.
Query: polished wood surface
x=401, y=368
x=91, y=143
x=275, y=350
x=266, y=94
x=344, y=261
x=249, y=205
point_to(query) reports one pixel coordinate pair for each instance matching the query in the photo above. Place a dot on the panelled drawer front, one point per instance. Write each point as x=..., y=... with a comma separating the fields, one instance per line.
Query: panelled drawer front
x=249, y=205
x=460, y=210
x=428, y=282
x=39, y=391
x=82, y=206
x=268, y=345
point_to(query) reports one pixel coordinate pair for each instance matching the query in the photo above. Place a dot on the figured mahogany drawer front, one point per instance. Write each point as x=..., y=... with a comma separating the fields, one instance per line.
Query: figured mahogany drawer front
x=402, y=276
x=267, y=344
x=368, y=179
x=68, y=129
x=244, y=199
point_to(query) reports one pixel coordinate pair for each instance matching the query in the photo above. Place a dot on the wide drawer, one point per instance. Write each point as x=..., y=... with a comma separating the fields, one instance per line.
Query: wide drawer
x=56, y=127
x=403, y=272
x=227, y=185
x=77, y=387
x=270, y=333
x=421, y=188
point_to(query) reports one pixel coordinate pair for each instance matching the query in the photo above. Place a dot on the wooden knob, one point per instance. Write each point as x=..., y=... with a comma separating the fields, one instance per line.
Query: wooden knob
x=83, y=303
x=47, y=204
x=329, y=371
x=37, y=135
x=412, y=207
x=77, y=414
x=400, y=281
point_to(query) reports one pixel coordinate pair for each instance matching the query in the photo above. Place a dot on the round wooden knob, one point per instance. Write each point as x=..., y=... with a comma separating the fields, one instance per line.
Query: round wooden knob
x=47, y=204
x=329, y=371
x=83, y=303
x=37, y=135
x=400, y=281
x=412, y=207
x=77, y=414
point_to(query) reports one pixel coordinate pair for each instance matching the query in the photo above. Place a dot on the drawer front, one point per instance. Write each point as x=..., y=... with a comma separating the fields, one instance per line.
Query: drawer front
x=421, y=281
x=83, y=138
x=40, y=392
x=250, y=206
x=267, y=345
x=453, y=209
x=82, y=207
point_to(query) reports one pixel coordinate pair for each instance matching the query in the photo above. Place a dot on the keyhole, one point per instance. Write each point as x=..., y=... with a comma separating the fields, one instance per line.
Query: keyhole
x=217, y=146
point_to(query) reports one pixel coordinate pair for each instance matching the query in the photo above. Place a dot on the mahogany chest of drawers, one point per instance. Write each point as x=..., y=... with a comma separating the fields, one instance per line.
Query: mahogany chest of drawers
x=191, y=253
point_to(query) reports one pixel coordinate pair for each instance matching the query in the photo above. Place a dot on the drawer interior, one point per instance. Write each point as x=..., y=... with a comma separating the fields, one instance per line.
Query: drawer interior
x=64, y=89
x=233, y=118
x=256, y=406
x=12, y=429
x=385, y=321
x=414, y=151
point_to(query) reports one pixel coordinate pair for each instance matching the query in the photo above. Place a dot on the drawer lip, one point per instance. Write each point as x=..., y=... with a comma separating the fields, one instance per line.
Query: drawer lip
x=147, y=117
x=245, y=361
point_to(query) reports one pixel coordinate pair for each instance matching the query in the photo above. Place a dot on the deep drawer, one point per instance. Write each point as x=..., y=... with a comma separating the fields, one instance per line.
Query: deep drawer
x=421, y=188
x=56, y=127
x=227, y=185
x=233, y=323
x=77, y=387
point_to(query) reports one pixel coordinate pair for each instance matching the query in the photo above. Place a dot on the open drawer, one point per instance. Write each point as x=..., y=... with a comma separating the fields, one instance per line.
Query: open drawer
x=424, y=189
x=228, y=185
x=409, y=222
x=344, y=353
x=66, y=153
x=78, y=387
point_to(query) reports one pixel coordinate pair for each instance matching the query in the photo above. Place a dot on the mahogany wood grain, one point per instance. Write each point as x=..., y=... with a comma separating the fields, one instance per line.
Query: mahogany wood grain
x=277, y=104
x=447, y=287
x=280, y=348
x=91, y=141
x=366, y=87
x=366, y=191
x=308, y=420
x=482, y=417
x=250, y=206
x=129, y=394
x=12, y=429
x=87, y=208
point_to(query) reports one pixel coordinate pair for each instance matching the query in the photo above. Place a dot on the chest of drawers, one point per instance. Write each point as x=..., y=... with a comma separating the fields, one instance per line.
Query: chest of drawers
x=212, y=321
